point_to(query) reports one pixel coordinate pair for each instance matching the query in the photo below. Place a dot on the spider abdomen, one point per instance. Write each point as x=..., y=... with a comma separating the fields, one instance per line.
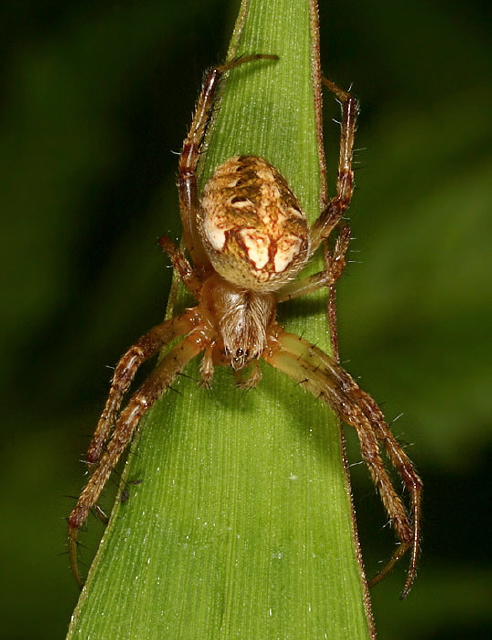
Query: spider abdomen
x=252, y=225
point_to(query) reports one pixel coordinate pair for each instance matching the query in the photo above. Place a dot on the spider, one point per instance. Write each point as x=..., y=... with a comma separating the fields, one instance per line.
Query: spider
x=248, y=238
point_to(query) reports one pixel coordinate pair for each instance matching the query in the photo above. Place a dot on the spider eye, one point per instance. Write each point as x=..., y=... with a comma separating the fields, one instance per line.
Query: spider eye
x=241, y=354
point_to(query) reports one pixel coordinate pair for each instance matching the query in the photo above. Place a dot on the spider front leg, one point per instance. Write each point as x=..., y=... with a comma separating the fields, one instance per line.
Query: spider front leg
x=147, y=346
x=411, y=480
x=139, y=404
x=323, y=377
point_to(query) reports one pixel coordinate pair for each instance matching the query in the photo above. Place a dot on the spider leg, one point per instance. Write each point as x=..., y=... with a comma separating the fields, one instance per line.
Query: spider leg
x=403, y=465
x=125, y=371
x=335, y=263
x=325, y=278
x=178, y=259
x=101, y=514
x=331, y=217
x=188, y=161
x=333, y=213
x=139, y=404
x=412, y=481
x=323, y=377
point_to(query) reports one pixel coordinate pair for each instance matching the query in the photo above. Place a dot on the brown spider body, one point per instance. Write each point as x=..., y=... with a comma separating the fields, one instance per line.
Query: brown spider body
x=248, y=239
x=241, y=321
x=252, y=225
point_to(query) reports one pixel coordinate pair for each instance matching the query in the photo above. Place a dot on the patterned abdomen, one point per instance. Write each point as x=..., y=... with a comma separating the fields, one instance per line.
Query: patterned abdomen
x=252, y=225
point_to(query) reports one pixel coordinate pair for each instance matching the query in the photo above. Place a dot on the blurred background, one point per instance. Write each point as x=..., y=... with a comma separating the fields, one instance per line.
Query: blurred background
x=95, y=99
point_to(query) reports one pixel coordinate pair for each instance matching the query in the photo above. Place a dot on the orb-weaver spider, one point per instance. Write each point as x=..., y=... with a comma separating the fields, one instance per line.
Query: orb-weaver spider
x=248, y=238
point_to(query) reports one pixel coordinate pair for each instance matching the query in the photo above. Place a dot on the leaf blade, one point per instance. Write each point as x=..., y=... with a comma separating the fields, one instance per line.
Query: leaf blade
x=242, y=524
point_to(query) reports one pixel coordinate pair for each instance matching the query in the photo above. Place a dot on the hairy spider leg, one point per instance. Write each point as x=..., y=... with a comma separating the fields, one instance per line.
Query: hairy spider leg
x=139, y=404
x=323, y=377
x=128, y=365
x=325, y=278
x=178, y=259
x=188, y=161
x=331, y=217
x=194, y=283
x=409, y=530
x=412, y=481
x=336, y=207
x=335, y=263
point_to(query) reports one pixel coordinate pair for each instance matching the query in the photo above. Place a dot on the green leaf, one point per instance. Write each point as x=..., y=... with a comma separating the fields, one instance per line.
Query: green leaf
x=241, y=526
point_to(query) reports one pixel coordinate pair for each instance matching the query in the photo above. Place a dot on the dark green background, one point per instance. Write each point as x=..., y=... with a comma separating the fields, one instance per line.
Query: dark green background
x=95, y=100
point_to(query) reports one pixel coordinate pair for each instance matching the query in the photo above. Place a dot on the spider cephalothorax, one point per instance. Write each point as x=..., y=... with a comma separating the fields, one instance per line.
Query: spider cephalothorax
x=248, y=239
x=241, y=321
